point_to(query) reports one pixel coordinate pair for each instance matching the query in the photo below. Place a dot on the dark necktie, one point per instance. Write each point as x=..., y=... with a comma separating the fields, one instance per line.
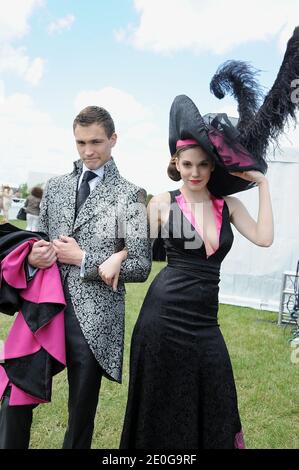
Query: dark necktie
x=84, y=189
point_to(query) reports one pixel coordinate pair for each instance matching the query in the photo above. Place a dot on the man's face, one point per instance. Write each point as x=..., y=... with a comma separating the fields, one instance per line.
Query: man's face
x=93, y=145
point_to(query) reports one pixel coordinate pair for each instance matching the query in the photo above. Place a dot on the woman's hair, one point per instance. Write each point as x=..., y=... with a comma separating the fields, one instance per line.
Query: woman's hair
x=172, y=172
x=37, y=192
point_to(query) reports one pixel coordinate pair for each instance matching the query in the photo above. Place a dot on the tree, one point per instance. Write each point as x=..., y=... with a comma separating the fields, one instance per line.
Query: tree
x=23, y=190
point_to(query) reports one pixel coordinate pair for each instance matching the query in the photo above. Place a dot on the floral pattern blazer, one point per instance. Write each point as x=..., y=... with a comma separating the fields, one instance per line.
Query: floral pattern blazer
x=112, y=217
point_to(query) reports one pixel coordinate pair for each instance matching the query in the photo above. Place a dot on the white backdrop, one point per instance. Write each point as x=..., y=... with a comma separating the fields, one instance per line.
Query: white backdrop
x=250, y=275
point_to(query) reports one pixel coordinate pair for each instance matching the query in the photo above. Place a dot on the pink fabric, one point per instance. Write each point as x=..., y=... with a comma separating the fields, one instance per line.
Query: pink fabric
x=182, y=143
x=17, y=396
x=21, y=341
x=229, y=156
x=52, y=337
x=3, y=380
x=239, y=441
x=217, y=205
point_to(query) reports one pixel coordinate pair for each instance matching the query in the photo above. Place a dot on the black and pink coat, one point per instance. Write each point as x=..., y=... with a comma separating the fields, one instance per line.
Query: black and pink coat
x=34, y=350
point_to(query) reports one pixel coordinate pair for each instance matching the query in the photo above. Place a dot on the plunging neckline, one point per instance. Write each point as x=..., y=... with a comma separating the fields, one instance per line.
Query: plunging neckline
x=217, y=207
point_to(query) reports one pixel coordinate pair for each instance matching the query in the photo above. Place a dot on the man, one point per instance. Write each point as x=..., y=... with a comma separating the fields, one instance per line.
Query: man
x=83, y=214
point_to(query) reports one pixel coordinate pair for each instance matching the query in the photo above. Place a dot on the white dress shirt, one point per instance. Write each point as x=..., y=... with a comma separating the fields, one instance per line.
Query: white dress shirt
x=95, y=181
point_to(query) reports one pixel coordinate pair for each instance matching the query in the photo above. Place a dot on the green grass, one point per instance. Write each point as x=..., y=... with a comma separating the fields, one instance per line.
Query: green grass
x=266, y=380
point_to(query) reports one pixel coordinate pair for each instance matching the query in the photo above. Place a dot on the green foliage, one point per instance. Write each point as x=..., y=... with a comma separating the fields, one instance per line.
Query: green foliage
x=266, y=380
x=24, y=190
x=18, y=223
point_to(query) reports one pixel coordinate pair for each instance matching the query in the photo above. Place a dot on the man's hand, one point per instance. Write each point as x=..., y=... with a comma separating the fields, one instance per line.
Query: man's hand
x=68, y=251
x=42, y=255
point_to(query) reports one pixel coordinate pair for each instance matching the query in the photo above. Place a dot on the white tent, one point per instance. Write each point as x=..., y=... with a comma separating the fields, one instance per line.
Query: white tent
x=250, y=275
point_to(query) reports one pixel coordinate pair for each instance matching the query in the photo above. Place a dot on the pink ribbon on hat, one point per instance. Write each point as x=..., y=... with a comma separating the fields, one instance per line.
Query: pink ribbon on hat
x=182, y=143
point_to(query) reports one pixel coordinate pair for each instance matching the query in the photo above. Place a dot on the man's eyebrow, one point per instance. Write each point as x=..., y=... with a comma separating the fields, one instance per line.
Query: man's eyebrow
x=90, y=140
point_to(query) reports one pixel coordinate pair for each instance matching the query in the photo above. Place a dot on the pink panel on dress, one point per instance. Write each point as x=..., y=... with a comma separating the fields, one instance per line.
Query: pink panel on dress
x=217, y=205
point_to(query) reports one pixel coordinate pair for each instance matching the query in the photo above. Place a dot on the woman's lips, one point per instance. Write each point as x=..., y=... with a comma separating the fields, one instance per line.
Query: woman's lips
x=195, y=181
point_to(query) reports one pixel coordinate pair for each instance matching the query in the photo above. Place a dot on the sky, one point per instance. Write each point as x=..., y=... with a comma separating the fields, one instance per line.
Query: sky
x=132, y=57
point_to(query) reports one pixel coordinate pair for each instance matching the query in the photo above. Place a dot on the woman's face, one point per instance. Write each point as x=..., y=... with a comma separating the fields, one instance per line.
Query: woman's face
x=195, y=168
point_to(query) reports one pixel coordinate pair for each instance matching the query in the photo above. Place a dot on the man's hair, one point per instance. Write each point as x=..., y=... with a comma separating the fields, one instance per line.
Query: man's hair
x=95, y=115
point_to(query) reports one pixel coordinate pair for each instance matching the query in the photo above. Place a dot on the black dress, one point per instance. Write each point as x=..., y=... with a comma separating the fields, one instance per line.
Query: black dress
x=182, y=393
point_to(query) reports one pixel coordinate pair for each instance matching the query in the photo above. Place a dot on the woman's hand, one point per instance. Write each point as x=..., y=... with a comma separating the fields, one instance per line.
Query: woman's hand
x=252, y=175
x=110, y=269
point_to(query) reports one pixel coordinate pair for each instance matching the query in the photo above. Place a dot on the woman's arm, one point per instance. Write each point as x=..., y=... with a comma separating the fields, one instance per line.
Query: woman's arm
x=133, y=262
x=158, y=213
x=110, y=269
x=260, y=232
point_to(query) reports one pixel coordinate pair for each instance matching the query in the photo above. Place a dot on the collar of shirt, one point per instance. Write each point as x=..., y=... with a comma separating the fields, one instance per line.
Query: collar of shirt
x=95, y=181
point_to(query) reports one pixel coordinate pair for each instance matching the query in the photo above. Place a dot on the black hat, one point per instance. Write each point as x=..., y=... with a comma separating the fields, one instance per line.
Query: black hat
x=240, y=145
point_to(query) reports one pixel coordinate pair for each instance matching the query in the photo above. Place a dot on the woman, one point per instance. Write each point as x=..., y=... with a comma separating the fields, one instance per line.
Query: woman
x=32, y=207
x=182, y=393
x=7, y=194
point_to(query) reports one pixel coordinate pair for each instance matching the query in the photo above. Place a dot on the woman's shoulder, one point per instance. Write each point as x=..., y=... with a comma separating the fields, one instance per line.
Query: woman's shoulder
x=231, y=200
x=232, y=203
x=160, y=198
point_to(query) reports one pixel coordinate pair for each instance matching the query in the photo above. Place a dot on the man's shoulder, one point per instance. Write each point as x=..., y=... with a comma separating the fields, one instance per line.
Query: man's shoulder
x=129, y=188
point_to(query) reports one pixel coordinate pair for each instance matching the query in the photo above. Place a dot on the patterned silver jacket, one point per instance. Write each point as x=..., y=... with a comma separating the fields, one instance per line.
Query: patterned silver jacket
x=112, y=217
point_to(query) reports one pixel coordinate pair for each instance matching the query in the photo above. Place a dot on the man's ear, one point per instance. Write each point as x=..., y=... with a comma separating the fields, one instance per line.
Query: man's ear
x=113, y=139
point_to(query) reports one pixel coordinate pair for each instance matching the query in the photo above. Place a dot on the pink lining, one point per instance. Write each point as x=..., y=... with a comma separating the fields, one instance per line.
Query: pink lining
x=182, y=143
x=45, y=287
x=20, y=340
x=3, y=381
x=230, y=156
x=17, y=396
x=217, y=204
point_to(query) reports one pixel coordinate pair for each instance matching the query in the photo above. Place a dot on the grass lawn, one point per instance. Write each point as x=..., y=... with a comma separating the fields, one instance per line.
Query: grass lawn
x=266, y=379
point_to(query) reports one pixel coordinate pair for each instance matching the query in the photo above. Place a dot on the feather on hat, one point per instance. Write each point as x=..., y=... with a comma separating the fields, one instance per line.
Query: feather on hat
x=240, y=147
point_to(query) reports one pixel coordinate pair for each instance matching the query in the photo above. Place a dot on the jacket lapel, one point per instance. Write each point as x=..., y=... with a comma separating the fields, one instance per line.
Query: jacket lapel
x=103, y=193
x=67, y=208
